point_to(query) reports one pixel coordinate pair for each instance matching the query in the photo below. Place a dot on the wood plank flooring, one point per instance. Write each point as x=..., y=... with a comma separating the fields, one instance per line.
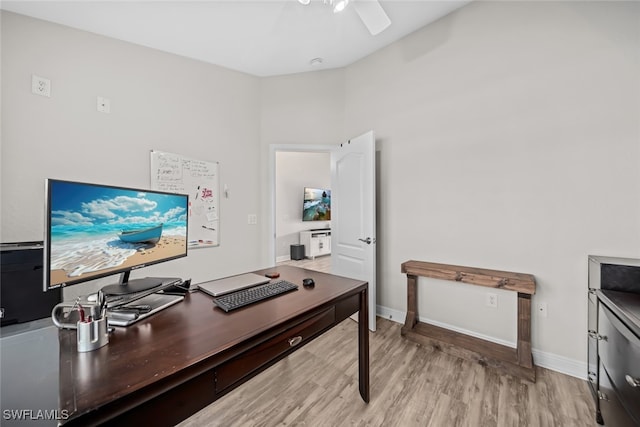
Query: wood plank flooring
x=321, y=263
x=411, y=385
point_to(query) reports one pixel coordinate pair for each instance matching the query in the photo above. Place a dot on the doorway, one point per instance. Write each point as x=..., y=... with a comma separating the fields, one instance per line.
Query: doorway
x=286, y=223
x=353, y=174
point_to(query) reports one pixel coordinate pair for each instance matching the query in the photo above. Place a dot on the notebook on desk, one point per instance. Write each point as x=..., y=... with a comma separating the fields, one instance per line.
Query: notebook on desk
x=219, y=287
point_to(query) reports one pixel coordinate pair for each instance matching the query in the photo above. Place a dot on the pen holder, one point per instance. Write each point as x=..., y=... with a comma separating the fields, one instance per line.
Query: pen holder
x=92, y=335
x=66, y=315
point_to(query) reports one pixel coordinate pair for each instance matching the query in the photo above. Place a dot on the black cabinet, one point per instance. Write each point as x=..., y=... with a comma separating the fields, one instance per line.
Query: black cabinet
x=21, y=296
x=614, y=339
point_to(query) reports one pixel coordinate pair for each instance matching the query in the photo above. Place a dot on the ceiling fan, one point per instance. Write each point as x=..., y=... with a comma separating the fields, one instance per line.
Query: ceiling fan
x=370, y=11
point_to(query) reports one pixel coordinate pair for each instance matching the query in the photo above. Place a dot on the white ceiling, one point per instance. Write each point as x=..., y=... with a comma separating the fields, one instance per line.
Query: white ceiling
x=262, y=38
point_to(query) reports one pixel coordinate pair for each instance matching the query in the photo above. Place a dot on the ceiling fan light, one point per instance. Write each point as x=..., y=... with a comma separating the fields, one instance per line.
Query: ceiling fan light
x=339, y=5
x=304, y=2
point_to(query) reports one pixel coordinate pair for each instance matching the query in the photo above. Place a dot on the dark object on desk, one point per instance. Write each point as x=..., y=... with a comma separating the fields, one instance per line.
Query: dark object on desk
x=308, y=282
x=122, y=316
x=178, y=289
x=248, y=296
x=272, y=274
x=297, y=252
x=21, y=293
x=138, y=308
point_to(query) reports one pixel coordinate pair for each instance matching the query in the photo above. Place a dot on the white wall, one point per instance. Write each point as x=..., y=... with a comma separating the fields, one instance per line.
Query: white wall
x=509, y=138
x=300, y=109
x=294, y=171
x=158, y=101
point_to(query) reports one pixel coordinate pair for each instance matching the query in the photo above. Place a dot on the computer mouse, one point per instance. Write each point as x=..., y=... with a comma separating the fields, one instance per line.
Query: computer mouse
x=309, y=282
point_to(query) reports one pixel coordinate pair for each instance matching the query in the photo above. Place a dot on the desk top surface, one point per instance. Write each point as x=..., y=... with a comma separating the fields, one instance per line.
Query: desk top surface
x=187, y=335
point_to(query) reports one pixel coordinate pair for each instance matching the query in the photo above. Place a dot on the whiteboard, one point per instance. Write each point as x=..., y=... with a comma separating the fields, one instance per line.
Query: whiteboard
x=198, y=179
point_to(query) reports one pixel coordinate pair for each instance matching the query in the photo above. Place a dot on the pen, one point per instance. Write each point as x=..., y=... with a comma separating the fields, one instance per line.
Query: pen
x=102, y=303
x=81, y=312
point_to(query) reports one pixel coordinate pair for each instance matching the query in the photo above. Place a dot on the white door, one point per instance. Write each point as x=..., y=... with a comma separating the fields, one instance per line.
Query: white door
x=353, y=214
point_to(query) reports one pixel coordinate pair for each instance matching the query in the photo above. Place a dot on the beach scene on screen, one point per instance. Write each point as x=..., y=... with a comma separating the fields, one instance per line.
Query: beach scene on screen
x=96, y=229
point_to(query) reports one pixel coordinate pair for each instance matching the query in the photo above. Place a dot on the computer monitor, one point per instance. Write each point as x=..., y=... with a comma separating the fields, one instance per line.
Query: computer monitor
x=94, y=231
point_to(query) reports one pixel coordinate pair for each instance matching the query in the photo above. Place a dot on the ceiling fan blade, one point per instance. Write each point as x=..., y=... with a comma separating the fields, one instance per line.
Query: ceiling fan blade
x=372, y=14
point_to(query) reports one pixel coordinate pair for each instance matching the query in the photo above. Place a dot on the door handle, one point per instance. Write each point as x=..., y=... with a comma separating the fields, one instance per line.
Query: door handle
x=367, y=240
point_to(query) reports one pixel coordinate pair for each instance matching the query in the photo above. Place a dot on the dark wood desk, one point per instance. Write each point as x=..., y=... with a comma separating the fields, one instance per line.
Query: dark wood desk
x=163, y=369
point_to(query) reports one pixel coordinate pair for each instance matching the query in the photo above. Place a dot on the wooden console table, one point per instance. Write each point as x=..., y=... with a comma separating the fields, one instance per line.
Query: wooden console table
x=515, y=361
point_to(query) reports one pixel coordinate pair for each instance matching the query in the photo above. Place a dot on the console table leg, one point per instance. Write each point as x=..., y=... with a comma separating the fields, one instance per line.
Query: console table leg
x=524, y=330
x=412, y=304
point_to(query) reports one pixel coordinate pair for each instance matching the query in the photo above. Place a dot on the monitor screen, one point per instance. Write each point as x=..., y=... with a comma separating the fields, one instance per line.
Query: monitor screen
x=93, y=231
x=317, y=204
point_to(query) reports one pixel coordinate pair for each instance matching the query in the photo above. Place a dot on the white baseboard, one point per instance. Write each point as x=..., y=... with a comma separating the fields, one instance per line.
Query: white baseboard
x=283, y=258
x=564, y=365
x=390, y=314
x=554, y=362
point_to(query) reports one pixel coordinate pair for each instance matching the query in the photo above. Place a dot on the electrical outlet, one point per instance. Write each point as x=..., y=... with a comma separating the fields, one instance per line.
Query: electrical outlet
x=542, y=309
x=40, y=86
x=252, y=219
x=492, y=300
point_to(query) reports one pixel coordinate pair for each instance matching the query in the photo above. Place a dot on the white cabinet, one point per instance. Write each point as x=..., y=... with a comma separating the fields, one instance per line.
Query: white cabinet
x=316, y=242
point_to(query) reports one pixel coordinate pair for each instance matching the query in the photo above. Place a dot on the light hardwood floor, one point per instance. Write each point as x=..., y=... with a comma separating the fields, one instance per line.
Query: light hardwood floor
x=411, y=385
x=321, y=263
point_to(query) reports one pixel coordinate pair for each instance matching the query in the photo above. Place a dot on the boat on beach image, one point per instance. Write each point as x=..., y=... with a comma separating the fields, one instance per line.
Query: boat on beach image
x=145, y=235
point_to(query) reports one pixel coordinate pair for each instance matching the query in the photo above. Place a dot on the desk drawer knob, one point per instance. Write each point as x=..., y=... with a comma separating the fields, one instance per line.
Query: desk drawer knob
x=633, y=382
x=295, y=341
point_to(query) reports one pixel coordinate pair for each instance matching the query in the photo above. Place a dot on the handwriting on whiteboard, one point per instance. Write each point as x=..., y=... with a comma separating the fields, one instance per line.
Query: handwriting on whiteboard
x=199, y=179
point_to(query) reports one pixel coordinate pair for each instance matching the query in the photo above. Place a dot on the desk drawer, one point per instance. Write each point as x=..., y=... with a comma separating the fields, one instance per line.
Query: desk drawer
x=271, y=350
x=620, y=354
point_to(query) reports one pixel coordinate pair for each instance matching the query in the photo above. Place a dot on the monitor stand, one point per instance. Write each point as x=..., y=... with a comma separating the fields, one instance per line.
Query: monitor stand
x=127, y=286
